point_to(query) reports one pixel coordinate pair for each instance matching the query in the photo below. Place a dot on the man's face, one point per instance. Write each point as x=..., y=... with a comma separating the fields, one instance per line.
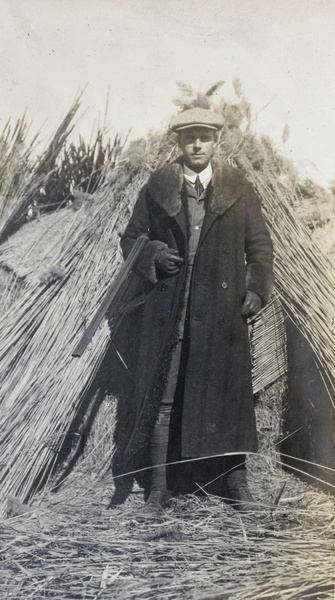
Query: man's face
x=197, y=145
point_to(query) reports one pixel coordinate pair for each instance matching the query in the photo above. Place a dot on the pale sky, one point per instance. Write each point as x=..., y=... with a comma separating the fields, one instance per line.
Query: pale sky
x=283, y=51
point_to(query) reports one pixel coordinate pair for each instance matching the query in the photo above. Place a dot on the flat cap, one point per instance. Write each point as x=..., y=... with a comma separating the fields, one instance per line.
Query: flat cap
x=196, y=117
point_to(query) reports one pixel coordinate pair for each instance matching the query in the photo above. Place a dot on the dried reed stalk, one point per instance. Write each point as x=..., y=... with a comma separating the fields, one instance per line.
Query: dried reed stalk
x=69, y=546
x=42, y=385
x=21, y=175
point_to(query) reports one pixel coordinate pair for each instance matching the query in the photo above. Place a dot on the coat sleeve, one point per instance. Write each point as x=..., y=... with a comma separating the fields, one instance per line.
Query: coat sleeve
x=140, y=223
x=258, y=249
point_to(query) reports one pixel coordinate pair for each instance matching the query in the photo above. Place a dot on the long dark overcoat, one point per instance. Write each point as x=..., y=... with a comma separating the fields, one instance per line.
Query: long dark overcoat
x=234, y=254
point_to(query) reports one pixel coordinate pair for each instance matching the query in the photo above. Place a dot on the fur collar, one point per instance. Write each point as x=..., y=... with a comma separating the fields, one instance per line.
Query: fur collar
x=165, y=184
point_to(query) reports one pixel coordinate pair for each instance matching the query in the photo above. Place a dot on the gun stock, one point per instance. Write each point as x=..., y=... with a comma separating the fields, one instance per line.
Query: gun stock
x=113, y=294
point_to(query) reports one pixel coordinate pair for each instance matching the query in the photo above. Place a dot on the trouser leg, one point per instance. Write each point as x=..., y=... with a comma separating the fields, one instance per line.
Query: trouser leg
x=212, y=474
x=238, y=490
x=159, y=446
x=160, y=437
x=234, y=462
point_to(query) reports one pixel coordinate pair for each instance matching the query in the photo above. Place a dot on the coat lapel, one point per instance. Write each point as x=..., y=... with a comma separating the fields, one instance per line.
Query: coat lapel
x=226, y=190
x=165, y=186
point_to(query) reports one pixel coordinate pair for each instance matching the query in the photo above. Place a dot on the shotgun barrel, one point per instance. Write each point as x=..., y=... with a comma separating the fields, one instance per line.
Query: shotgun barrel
x=113, y=294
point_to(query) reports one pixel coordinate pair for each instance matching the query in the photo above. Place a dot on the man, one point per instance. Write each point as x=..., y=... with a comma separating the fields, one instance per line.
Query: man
x=206, y=267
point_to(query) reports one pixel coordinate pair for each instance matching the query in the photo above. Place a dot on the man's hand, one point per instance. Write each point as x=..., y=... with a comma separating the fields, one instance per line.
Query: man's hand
x=168, y=261
x=252, y=304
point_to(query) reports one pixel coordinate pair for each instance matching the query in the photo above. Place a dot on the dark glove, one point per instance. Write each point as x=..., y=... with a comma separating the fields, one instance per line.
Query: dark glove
x=168, y=261
x=252, y=304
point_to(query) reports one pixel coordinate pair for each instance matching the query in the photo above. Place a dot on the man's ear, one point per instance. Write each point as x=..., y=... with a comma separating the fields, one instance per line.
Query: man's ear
x=216, y=138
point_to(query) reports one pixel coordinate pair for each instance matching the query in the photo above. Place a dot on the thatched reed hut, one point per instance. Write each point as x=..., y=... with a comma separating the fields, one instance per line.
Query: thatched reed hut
x=55, y=271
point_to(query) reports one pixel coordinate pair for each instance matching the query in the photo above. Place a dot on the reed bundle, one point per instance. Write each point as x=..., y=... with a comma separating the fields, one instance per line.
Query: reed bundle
x=268, y=345
x=305, y=279
x=42, y=385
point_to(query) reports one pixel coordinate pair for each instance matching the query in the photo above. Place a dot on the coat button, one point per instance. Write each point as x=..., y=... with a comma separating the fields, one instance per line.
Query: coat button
x=161, y=322
x=221, y=321
x=164, y=287
x=227, y=250
x=224, y=285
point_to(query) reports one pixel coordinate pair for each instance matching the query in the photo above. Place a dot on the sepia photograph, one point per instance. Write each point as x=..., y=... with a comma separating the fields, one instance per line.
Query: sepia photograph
x=167, y=286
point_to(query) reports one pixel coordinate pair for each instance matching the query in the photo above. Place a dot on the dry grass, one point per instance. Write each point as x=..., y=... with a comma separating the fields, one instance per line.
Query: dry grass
x=69, y=546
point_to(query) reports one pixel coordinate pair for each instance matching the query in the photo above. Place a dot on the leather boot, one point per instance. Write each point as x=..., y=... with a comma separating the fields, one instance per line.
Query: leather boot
x=153, y=510
x=238, y=491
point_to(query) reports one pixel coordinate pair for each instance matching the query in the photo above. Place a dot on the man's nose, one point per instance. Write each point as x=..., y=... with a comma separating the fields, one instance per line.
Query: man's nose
x=197, y=144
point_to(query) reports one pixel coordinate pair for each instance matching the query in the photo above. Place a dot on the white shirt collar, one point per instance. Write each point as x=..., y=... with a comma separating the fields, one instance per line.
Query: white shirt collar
x=205, y=176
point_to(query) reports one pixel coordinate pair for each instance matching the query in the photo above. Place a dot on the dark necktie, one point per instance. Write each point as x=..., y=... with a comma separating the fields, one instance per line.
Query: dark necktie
x=199, y=188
